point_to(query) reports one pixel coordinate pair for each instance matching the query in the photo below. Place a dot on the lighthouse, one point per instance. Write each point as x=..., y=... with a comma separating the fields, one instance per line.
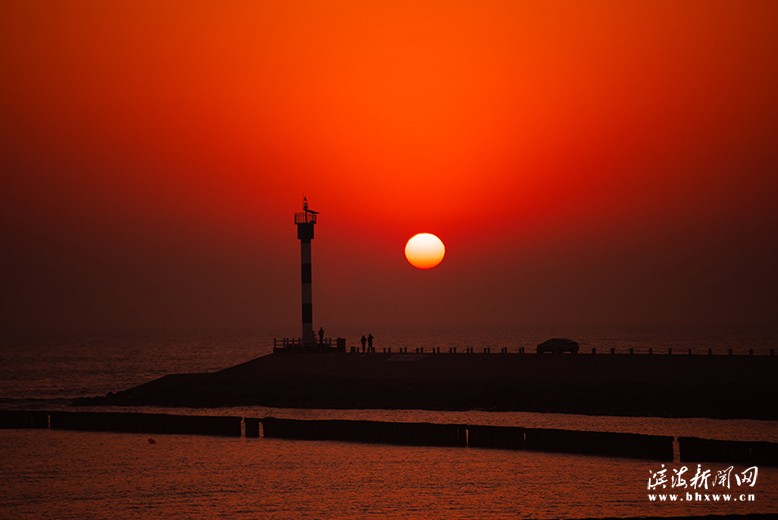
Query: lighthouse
x=305, y=220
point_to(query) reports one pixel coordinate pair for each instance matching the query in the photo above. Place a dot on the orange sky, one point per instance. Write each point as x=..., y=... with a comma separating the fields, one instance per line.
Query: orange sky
x=584, y=162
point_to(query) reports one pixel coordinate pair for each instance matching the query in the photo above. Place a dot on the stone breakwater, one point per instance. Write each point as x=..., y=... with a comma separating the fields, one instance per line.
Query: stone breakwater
x=727, y=387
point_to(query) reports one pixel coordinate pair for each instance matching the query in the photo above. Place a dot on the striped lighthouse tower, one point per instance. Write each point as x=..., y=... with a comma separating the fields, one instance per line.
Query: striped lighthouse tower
x=305, y=221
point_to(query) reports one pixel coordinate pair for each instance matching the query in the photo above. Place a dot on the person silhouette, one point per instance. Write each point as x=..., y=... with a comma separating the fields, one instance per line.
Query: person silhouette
x=370, y=342
x=363, y=340
x=321, y=335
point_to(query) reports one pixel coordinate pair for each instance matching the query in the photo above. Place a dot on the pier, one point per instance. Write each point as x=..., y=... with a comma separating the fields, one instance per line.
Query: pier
x=716, y=386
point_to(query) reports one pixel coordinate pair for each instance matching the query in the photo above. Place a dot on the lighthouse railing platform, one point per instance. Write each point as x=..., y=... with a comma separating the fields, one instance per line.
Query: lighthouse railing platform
x=305, y=217
x=298, y=345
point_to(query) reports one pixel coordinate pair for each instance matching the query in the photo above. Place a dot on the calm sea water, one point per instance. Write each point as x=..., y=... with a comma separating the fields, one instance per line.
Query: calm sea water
x=61, y=474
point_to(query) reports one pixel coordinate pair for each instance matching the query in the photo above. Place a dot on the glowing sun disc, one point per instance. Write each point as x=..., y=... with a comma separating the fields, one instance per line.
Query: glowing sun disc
x=424, y=250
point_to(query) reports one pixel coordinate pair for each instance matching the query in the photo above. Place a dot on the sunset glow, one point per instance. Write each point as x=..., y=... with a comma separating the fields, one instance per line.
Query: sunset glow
x=151, y=152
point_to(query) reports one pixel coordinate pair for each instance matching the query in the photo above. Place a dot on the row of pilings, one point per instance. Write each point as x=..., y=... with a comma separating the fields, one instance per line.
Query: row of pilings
x=122, y=422
x=630, y=445
x=608, y=444
x=736, y=452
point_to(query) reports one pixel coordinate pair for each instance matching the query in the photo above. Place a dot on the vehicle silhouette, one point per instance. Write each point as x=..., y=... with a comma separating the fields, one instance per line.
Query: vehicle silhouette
x=558, y=346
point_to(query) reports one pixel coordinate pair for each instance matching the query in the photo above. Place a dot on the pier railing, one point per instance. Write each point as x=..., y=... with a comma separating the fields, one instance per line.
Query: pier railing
x=298, y=345
x=339, y=345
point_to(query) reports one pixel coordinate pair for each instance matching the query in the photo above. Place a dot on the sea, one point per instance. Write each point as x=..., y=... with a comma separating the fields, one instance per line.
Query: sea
x=68, y=474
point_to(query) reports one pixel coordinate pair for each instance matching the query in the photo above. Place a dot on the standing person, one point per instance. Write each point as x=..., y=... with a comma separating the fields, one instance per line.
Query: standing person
x=370, y=342
x=363, y=340
x=321, y=335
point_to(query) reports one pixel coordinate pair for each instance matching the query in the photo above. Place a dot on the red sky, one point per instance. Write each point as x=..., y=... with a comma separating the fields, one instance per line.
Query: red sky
x=602, y=163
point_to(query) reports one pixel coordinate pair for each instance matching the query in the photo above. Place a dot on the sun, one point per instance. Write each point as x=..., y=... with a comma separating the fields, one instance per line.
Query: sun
x=424, y=250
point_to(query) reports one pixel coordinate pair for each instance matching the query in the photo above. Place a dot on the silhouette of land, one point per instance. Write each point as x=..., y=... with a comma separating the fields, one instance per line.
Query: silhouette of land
x=604, y=384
